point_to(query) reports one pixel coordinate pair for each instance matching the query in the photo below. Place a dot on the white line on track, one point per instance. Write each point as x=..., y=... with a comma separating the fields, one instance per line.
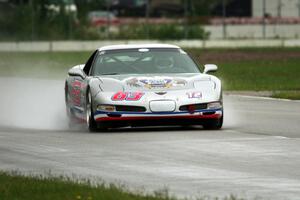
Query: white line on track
x=264, y=98
x=281, y=137
x=262, y=137
x=47, y=148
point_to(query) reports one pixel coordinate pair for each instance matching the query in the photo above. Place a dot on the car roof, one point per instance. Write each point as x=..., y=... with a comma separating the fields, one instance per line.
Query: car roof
x=137, y=46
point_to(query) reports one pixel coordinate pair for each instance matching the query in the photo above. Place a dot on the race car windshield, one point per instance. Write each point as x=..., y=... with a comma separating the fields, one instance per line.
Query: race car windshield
x=143, y=61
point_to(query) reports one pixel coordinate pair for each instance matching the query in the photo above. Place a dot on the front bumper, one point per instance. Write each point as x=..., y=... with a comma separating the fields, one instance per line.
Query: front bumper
x=162, y=118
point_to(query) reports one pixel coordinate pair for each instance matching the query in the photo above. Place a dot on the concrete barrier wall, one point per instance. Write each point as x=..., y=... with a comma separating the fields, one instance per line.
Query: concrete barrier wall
x=92, y=45
x=251, y=31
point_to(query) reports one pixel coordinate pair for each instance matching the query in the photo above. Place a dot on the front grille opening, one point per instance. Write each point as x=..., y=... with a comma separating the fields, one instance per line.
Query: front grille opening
x=209, y=113
x=130, y=108
x=114, y=115
x=199, y=106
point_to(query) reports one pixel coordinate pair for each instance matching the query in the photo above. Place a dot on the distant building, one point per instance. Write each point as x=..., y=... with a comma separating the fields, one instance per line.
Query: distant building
x=234, y=8
x=128, y=7
x=166, y=7
x=138, y=7
x=276, y=8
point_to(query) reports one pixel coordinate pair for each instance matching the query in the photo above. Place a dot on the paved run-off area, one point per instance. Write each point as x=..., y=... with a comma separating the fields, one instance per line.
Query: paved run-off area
x=256, y=154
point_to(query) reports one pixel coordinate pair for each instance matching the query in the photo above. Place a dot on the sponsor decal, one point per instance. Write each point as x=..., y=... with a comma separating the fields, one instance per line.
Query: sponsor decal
x=194, y=95
x=156, y=82
x=134, y=82
x=76, y=84
x=179, y=82
x=127, y=96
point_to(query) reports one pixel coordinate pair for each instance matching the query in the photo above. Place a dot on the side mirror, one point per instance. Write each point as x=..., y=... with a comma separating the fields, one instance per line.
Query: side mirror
x=210, y=68
x=77, y=71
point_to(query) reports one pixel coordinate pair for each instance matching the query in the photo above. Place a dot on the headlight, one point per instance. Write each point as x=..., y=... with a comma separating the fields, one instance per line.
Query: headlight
x=214, y=105
x=107, y=108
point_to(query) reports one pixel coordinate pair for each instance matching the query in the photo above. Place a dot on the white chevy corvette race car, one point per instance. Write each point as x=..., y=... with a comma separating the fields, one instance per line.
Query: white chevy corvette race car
x=140, y=85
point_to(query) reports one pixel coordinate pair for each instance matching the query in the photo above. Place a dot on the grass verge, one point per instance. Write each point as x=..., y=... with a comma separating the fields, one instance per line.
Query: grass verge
x=18, y=187
x=239, y=69
x=14, y=186
x=293, y=95
x=51, y=65
x=256, y=69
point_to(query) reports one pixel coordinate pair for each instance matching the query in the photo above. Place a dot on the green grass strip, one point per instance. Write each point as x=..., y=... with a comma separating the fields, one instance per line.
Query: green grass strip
x=239, y=69
x=18, y=187
x=14, y=186
x=293, y=95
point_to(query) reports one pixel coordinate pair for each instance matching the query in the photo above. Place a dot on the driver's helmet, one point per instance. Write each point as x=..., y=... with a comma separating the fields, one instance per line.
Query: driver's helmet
x=164, y=62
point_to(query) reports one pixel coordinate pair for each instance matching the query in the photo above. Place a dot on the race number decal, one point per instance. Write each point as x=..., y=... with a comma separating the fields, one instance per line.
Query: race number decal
x=194, y=95
x=120, y=96
x=134, y=96
x=75, y=93
x=127, y=96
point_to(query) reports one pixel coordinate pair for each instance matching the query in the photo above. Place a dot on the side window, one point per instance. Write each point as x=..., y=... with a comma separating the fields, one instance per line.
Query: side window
x=89, y=63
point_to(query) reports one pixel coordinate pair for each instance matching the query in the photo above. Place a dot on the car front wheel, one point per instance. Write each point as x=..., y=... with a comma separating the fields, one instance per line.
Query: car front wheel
x=214, y=124
x=90, y=121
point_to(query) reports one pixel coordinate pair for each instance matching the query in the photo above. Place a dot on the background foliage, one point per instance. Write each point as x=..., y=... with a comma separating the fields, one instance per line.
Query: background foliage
x=33, y=21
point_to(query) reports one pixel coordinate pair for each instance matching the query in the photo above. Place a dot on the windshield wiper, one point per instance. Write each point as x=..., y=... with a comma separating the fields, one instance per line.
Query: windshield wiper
x=110, y=74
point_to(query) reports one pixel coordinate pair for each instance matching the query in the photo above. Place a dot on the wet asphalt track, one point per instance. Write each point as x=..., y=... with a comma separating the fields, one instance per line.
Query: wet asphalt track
x=256, y=154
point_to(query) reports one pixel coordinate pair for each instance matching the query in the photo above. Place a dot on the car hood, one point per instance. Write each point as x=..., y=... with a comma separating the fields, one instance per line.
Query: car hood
x=154, y=82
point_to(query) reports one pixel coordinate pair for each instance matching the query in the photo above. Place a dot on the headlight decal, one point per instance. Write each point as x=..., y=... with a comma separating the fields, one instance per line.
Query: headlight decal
x=205, y=85
x=107, y=108
x=214, y=105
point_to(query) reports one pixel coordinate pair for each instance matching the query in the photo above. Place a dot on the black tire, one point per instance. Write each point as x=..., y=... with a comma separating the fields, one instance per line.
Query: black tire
x=215, y=124
x=70, y=115
x=90, y=121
